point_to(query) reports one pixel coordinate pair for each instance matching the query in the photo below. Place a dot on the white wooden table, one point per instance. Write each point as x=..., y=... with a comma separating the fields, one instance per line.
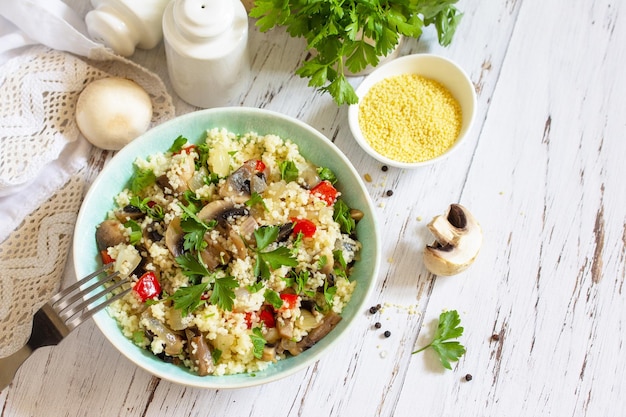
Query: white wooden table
x=543, y=171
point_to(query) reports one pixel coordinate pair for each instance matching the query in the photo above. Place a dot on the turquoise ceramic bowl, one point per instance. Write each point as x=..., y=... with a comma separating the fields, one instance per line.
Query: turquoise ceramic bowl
x=313, y=145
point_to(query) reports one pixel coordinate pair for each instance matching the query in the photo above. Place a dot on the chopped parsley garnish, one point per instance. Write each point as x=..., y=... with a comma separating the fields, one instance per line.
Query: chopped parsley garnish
x=326, y=174
x=148, y=207
x=216, y=355
x=266, y=261
x=288, y=171
x=141, y=179
x=192, y=266
x=187, y=299
x=342, y=216
x=203, y=155
x=273, y=298
x=254, y=199
x=135, y=232
x=223, y=294
x=178, y=144
x=329, y=293
x=194, y=229
x=258, y=342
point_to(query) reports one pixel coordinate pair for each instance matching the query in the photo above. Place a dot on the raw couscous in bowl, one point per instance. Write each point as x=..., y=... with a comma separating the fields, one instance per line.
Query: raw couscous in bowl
x=413, y=111
x=250, y=241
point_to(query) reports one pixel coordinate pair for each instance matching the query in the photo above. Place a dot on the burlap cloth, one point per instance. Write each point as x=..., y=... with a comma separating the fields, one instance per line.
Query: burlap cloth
x=38, y=93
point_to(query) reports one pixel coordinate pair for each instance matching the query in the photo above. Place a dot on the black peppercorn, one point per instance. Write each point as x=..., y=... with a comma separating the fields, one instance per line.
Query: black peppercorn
x=468, y=377
x=384, y=168
x=377, y=325
x=373, y=309
x=389, y=193
x=387, y=333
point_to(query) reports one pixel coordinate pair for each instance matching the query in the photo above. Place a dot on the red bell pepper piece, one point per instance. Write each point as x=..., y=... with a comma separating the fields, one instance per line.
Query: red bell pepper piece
x=304, y=226
x=289, y=301
x=326, y=192
x=267, y=317
x=260, y=166
x=106, y=258
x=147, y=286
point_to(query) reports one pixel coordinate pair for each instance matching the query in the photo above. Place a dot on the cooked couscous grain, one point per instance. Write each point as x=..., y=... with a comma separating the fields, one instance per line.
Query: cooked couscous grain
x=410, y=118
x=204, y=290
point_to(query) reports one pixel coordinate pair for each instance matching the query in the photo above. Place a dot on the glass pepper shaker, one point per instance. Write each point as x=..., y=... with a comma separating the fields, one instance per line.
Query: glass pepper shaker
x=206, y=47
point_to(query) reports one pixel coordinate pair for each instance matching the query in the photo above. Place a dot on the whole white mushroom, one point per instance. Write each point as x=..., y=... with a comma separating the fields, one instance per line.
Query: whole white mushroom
x=111, y=112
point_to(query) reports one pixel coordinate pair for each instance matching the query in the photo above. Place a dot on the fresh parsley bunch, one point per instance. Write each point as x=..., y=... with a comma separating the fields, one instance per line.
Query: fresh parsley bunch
x=353, y=33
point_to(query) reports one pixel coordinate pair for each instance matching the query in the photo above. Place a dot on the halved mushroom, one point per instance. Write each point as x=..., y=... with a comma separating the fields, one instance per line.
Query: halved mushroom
x=458, y=239
x=109, y=233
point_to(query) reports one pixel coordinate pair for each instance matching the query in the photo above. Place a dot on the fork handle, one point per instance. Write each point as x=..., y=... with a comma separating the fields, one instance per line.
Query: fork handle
x=10, y=365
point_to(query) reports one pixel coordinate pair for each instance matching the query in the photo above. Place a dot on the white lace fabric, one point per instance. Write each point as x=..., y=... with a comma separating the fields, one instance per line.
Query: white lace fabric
x=43, y=161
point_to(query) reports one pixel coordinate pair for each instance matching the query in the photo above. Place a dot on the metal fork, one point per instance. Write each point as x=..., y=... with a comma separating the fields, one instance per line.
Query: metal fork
x=58, y=317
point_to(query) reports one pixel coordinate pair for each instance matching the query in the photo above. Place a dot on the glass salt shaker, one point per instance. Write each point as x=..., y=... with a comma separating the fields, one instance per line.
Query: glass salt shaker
x=123, y=25
x=206, y=47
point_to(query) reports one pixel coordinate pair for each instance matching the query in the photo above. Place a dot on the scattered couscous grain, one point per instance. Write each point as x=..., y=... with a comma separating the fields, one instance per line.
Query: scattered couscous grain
x=367, y=177
x=410, y=118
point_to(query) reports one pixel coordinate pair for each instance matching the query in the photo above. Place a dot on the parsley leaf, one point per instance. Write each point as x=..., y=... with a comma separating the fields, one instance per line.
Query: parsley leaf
x=448, y=328
x=265, y=261
x=256, y=198
x=142, y=178
x=258, y=342
x=194, y=229
x=326, y=174
x=135, y=232
x=265, y=235
x=329, y=293
x=288, y=171
x=148, y=207
x=342, y=216
x=187, y=299
x=273, y=298
x=192, y=266
x=223, y=294
x=178, y=144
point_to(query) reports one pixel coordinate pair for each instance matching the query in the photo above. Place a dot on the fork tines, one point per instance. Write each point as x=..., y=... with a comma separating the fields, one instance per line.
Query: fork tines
x=72, y=306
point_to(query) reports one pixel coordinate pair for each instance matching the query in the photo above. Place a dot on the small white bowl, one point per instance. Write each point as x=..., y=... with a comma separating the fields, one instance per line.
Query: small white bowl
x=437, y=68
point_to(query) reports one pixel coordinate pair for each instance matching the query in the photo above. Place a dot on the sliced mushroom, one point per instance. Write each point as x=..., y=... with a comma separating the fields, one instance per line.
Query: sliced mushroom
x=269, y=354
x=458, y=239
x=285, y=328
x=308, y=175
x=244, y=181
x=328, y=323
x=109, y=233
x=129, y=212
x=214, y=254
x=284, y=232
x=174, y=237
x=199, y=352
x=173, y=343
